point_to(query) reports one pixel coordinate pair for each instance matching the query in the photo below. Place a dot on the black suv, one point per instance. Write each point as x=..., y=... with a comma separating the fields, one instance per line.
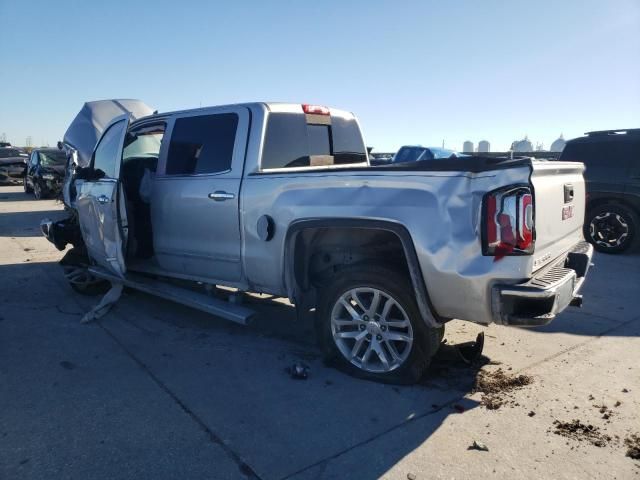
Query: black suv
x=612, y=158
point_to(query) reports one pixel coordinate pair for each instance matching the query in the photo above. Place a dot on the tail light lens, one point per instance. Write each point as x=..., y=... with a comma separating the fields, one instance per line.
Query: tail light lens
x=508, y=218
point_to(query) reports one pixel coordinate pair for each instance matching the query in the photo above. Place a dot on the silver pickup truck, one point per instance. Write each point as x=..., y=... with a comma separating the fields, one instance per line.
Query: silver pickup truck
x=280, y=199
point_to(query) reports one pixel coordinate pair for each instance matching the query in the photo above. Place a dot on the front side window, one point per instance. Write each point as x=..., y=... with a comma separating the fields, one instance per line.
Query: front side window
x=202, y=144
x=143, y=143
x=107, y=155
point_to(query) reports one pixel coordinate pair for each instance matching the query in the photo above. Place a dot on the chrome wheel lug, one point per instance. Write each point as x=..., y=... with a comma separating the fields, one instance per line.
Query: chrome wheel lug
x=383, y=328
x=368, y=336
x=362, y=327
x=378, y=337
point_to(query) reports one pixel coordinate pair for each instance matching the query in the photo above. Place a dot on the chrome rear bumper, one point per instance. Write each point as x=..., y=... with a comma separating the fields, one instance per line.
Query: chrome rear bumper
x=552, y=289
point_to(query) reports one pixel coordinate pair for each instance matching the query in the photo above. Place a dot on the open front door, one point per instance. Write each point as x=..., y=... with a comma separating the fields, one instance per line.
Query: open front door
x=100, y=201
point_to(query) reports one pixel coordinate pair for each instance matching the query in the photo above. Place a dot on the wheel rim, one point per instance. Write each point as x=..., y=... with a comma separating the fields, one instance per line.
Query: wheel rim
x=24, y=183
x=79, y=276
x=371, y=329
x=609, y=229
x=37, y=192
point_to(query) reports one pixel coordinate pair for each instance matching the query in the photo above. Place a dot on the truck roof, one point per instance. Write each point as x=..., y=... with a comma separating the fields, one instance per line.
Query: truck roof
x=283, y=107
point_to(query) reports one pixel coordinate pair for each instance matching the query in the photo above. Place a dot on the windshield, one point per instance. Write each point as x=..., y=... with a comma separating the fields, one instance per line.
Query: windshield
x=416, y=154
x=143, y=144
x=411, y=154
x=53, y=157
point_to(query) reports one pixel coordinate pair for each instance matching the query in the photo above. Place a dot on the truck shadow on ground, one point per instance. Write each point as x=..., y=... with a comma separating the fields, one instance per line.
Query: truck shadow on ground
x=610, y=305
x=231, y=379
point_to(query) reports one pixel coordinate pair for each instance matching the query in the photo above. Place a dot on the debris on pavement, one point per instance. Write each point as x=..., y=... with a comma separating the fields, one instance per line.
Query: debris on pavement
x=531, y=413
x=497, y=386
x=105, y=304
x=298, y=371
x=632, y=443
x=478, y=446
x=469, y=352
x=411, y=476
x=605, y=411
x=577, y=430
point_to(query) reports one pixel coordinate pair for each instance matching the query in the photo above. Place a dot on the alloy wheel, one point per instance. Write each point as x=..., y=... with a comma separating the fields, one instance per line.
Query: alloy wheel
x=609, y=229
x=371, y=329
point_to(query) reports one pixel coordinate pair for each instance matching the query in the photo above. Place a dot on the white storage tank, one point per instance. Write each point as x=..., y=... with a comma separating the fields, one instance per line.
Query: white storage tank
x=558, y=144
x=484, y=146
x=467, y=147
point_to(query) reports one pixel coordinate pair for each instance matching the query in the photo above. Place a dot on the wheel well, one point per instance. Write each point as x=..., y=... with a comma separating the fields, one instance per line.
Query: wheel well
x=316, y=253
x=328, y=250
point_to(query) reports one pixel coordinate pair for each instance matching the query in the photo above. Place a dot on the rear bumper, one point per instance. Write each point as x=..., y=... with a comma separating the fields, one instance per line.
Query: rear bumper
x=552, y=289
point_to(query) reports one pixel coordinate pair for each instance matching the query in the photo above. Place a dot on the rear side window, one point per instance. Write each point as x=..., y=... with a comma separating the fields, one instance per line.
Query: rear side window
x=202, y=144
x=291, y=142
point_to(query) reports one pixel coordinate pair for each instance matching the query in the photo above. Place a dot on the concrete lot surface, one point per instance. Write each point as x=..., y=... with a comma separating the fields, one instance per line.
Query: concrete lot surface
x=156, y=390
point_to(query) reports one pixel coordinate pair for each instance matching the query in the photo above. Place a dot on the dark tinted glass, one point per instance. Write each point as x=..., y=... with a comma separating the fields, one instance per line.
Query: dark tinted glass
x=290, y=141
x=202, y=144
x=318, y=136
x=604, y=153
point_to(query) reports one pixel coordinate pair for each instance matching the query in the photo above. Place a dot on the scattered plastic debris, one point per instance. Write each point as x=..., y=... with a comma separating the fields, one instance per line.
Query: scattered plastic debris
x=298, y=371
x=104, y=305
x=479, y=446
x=469, y=352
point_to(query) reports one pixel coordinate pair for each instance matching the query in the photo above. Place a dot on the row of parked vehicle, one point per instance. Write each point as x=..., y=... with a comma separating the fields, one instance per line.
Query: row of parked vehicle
x=612, y=158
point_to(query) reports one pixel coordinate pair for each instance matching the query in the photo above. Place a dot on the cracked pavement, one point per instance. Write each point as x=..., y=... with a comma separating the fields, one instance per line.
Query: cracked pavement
x=158, y=390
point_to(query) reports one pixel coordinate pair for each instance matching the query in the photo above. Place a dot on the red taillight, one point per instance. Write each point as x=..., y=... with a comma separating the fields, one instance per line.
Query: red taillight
x=508, y=222
x=315, y=109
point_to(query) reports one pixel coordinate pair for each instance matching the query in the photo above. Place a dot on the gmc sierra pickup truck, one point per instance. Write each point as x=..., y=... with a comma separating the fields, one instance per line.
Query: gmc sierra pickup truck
x=280, y=199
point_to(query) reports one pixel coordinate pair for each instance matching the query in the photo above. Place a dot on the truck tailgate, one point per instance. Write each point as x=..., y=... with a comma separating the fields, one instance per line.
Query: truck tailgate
x=559, y=191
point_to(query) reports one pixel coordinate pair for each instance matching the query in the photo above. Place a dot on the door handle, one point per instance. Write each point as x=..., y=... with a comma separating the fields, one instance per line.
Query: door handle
x=103, y=199
x=220, y=196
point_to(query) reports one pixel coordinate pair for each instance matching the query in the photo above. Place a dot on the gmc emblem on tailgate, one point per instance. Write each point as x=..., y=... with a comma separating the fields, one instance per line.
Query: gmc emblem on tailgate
x=567, y=212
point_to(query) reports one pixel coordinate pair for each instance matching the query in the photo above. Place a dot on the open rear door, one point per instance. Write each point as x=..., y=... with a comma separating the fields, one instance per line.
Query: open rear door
x=100, y=200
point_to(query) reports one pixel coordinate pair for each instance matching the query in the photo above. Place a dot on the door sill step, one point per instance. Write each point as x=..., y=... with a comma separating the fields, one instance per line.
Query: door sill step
x=200, y=301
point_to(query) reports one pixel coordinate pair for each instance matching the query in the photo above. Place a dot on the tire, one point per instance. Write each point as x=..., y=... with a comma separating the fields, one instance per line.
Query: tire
x=37, y=191
x=27, y=188
x=611, y=228
x=76, y=271
x=365, y=349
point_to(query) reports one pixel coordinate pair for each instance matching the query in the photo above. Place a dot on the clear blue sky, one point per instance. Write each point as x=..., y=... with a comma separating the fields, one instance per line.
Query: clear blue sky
x=413, y=72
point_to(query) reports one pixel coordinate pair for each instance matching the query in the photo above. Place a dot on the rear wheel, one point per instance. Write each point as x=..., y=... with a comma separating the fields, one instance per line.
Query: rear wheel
x=611, y=228
x=37, y=190
x=369, y=325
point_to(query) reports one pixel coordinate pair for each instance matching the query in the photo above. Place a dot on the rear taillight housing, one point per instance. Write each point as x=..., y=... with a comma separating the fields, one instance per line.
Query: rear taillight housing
x=508, y=222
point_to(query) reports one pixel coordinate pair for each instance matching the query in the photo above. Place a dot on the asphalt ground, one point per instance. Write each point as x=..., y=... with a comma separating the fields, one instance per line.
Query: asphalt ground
x=157, y=390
